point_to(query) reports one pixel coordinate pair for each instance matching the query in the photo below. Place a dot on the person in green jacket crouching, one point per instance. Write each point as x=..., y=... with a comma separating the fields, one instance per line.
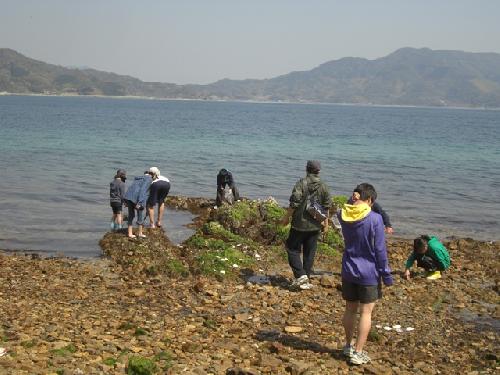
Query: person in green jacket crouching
x=431, y=255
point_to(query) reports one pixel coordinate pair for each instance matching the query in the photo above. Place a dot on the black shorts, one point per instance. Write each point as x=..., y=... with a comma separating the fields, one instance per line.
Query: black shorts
x=363, y=293
x=158, y=192
x=116, y=207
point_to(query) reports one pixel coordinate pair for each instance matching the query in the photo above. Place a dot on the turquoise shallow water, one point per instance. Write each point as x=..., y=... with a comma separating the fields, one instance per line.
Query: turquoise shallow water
x=436, y=170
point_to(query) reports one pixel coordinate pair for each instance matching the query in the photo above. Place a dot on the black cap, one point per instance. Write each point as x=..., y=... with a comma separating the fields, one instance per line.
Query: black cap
x=121, y=173
x=313, y=166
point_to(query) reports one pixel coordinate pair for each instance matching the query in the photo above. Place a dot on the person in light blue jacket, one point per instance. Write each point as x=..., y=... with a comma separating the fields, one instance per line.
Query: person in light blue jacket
x=135, y=198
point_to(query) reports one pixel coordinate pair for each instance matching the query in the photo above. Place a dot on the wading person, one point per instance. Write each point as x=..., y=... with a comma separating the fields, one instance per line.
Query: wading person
x=116, y=198
x=136, y=198
x=305, y=228
x=364, y=267
x=157, y=194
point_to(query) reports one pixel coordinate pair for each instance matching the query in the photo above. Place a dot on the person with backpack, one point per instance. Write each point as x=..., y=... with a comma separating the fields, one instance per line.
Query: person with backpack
x=431, y=255
x=309, y=209
x=136, y=198
x=226, y=188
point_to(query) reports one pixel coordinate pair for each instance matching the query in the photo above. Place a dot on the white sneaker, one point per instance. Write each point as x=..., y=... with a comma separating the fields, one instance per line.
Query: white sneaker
x=359, y=358
x=300, y=281
x=347, y=351
x=306, y=286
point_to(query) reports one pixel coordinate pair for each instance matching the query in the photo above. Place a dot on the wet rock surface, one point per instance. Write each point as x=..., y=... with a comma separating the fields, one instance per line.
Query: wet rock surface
x=64, y=316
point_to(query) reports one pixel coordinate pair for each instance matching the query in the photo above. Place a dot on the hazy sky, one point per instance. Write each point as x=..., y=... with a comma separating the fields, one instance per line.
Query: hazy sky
x=201, y=41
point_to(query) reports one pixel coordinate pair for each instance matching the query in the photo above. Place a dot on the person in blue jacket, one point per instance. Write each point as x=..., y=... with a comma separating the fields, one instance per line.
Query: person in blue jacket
x=364, y=268
x=135, y=198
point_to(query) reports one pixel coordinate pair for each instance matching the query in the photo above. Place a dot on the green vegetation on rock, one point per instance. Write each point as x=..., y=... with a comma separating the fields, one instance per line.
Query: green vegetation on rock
x=110, y=361
x=28, y=344
x=141, y=366
x=140, y=331
x=65, y=351
x=220, y=258
x=338, y=202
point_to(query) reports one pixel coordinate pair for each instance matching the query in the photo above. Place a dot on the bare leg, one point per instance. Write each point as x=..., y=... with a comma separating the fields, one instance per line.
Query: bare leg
x=365, y=323
x=119, y=220
x=161, y=210
x=139, y=233
x=130, y=231
x=349, y=320
x=151, y=213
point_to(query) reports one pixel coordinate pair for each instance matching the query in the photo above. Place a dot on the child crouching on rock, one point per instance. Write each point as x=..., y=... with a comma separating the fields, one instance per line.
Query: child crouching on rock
x=431, y=255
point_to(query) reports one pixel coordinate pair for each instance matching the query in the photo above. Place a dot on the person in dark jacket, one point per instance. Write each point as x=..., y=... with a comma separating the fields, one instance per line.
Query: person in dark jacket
x=305, y=230
x=364, y=267
x=158, y=192
x=136, y=198
x=116, y=197
x=376, y=207
x=225, y=179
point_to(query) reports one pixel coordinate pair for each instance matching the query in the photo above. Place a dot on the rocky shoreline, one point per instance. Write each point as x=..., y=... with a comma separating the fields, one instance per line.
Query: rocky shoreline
x=150, y=303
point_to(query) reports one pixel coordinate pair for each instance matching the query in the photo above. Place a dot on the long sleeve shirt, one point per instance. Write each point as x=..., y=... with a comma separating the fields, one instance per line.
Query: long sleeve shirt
x=365, y=256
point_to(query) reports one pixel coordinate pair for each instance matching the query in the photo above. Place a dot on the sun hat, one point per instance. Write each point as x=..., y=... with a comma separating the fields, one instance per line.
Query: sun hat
x=154, y=171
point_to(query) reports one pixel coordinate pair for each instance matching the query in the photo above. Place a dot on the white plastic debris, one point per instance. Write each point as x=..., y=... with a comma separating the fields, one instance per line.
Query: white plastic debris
x=3, y=351
x=387, y=328
x=409, y=329
x=378, y=326
x=222, y=271
x=396, y=326
x=235, y=265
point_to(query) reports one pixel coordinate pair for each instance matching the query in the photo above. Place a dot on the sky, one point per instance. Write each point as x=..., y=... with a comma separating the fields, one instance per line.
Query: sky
x=202, y=41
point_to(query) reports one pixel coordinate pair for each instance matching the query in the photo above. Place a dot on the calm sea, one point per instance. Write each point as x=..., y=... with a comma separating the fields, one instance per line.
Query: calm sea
x=436, y=170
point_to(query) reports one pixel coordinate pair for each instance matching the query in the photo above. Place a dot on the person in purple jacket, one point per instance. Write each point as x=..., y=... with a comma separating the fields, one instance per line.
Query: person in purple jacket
x=364, y=266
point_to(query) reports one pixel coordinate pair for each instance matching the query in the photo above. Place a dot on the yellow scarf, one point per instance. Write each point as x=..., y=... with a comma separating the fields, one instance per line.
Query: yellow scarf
x=355, y=212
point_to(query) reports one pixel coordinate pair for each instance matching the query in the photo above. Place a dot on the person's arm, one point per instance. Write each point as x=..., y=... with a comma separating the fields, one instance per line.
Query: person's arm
x=408, y=265
x=220, y=180
x=122, y=191
x=326, y=203
x=236, y=192
x=295, y=200
x=285, y=220
x=381, y=252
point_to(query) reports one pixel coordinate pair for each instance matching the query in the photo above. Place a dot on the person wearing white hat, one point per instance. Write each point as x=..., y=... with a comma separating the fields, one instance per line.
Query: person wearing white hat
x=157, y=195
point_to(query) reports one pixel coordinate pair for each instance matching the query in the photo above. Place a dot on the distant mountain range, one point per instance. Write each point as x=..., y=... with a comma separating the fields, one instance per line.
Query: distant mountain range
x=408, y=76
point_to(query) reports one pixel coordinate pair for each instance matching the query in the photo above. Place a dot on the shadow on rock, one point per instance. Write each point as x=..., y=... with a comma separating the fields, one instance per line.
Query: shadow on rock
x=296, y=343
